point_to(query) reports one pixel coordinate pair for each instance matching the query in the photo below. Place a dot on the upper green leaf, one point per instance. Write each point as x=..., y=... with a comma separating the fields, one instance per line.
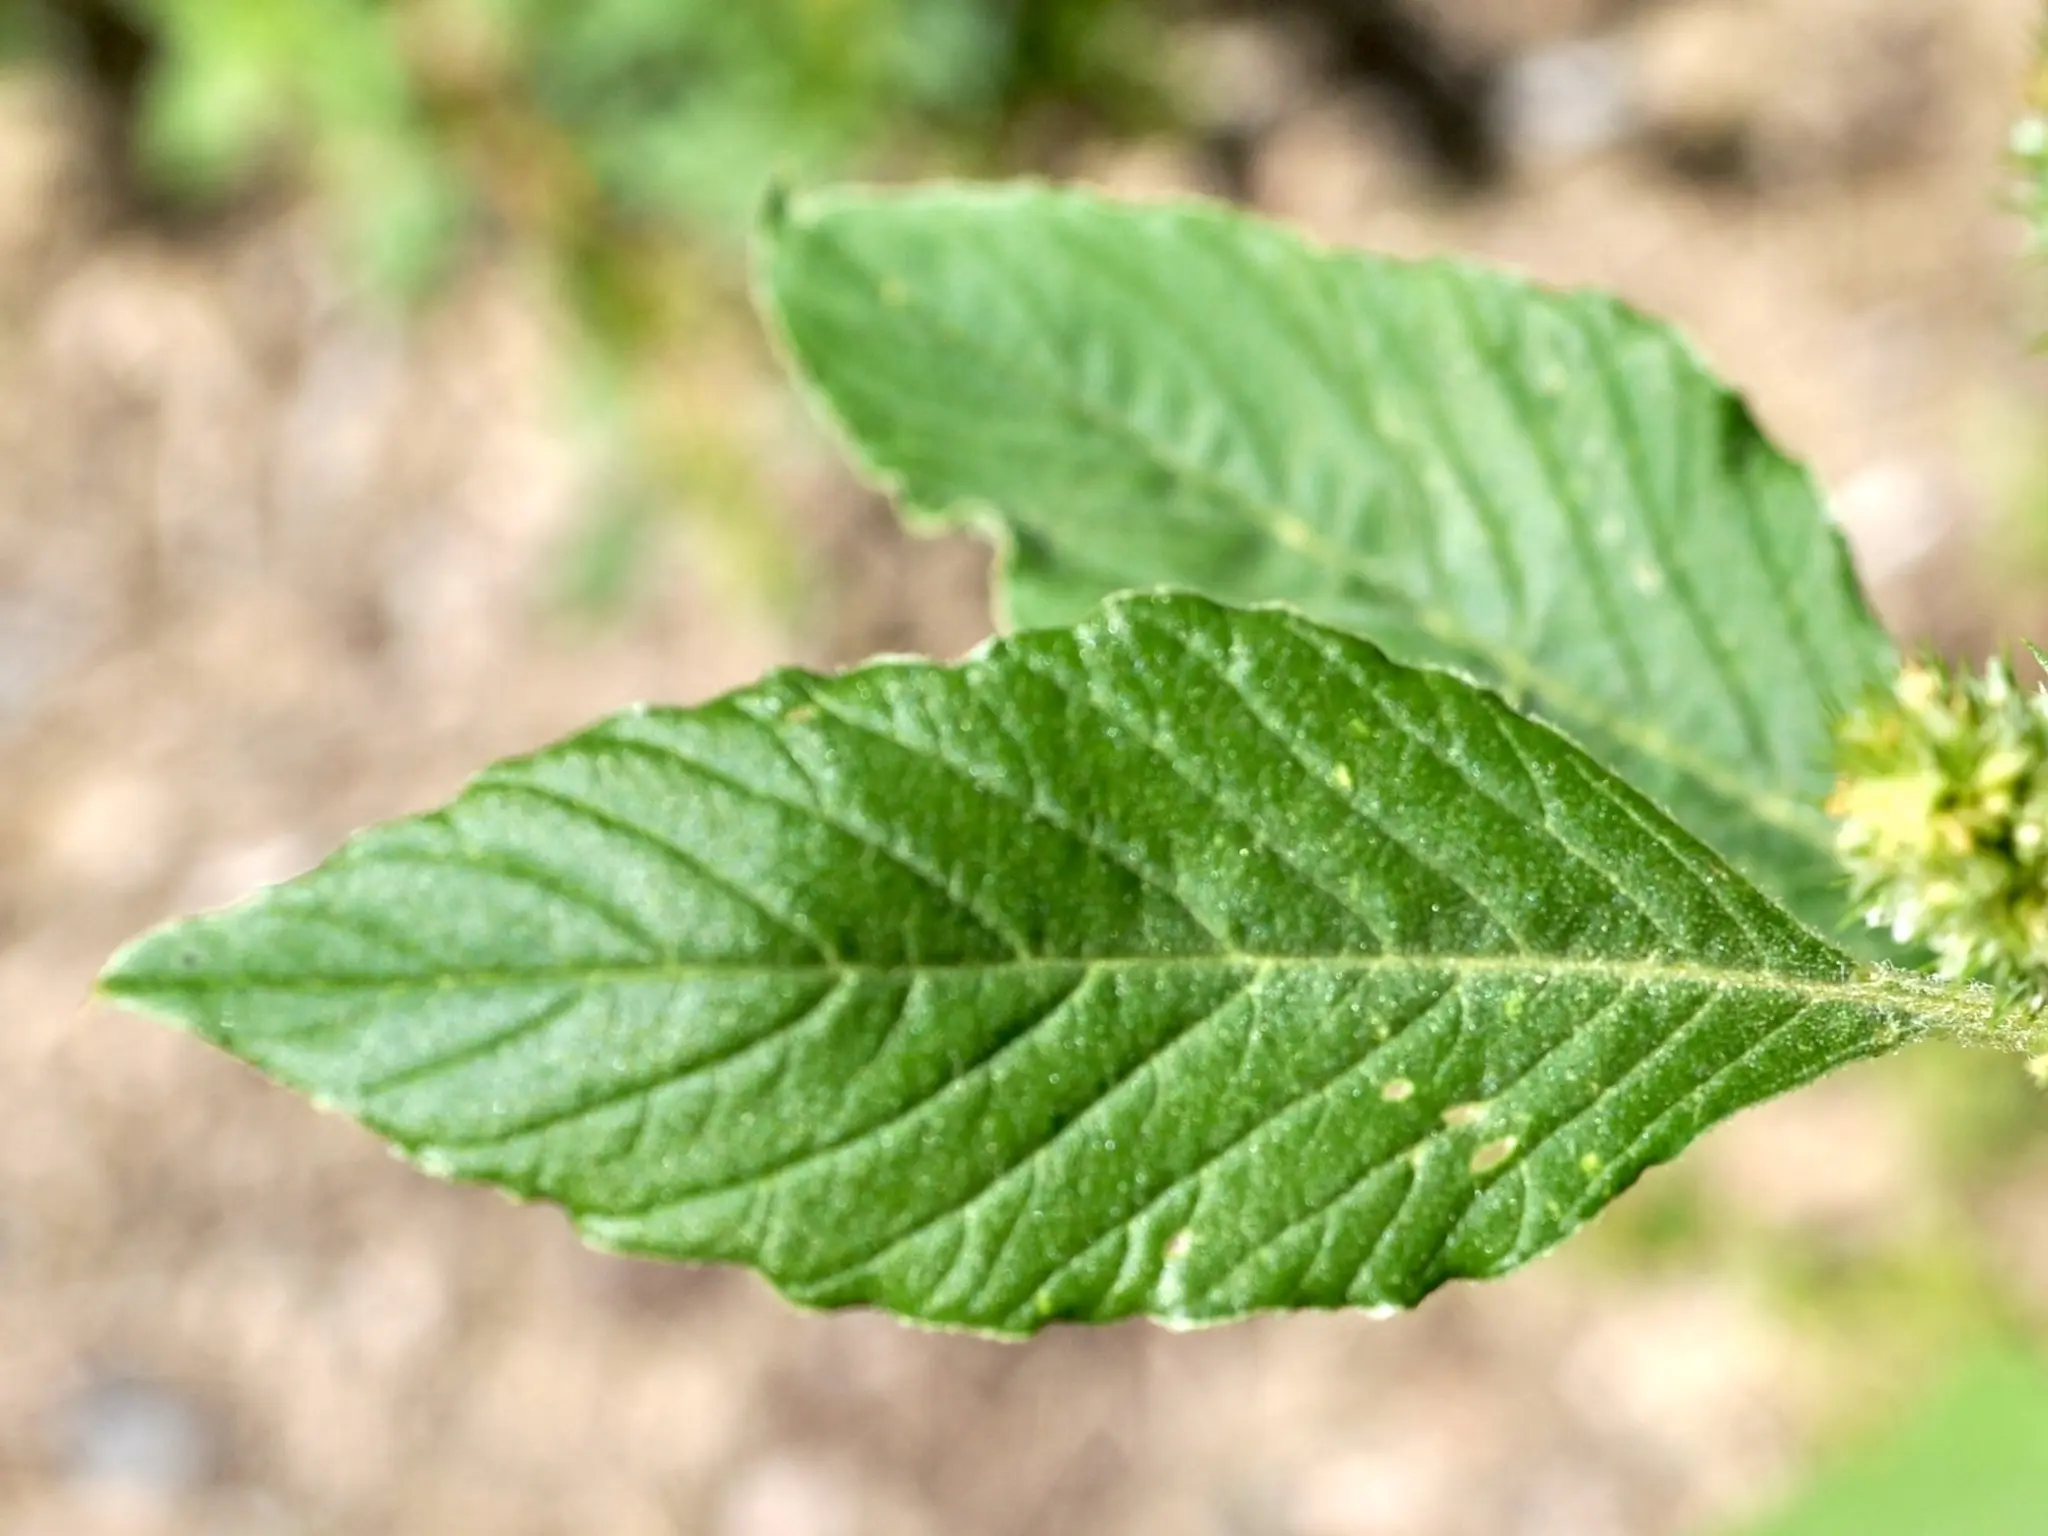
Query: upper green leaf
x=1544, y=490
x=1187, y=963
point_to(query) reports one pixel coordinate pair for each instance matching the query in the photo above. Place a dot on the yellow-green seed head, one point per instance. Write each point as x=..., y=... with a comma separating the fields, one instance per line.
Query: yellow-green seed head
x=1942, y=800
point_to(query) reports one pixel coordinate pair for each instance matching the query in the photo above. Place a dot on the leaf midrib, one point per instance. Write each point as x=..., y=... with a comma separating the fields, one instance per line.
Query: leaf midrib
x=1801, y=821
x=1867, y=988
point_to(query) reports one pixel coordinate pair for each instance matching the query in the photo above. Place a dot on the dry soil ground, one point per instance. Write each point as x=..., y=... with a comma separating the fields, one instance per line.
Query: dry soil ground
x=271, y=567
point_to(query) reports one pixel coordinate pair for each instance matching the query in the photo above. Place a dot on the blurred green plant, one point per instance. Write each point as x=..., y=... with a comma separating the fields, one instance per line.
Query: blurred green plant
x=2030, y=155
x=609, y=119
x=235, y=85
x=20, y=31
x=621, y=146
x=1967, y=1463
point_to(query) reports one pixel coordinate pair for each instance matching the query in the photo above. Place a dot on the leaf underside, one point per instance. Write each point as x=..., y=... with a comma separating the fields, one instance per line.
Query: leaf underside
x=1545, y=491
x=1189, y=963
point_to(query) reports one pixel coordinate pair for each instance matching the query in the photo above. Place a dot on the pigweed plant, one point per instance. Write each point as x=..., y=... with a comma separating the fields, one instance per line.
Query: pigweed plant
x=1411, y=805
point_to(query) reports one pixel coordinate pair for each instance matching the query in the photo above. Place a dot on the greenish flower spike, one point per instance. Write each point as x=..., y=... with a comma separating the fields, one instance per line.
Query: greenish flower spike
x=1943, y=804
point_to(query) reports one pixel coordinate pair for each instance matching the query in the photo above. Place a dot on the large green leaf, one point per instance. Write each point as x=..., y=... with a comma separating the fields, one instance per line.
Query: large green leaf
x=1545, y=490
x=1187, y=963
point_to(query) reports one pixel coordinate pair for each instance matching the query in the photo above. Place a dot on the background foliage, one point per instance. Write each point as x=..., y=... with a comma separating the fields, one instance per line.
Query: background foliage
x=622, y=146
x=627, y=118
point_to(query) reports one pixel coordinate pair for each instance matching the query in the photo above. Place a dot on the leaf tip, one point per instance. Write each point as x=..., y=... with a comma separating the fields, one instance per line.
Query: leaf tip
x=124, y=979
x=150, y=976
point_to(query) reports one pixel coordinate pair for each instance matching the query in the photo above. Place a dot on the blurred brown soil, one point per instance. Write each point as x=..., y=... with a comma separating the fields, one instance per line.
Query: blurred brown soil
x=272, y=565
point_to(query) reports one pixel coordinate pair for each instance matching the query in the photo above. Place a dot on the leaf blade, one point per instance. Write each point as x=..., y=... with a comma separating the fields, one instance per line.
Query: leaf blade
x=1190, y=963
x=1546, y=491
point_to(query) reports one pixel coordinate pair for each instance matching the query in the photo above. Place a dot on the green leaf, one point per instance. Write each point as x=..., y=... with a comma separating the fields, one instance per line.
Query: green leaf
x=1544, y=490
x=1188, y=963
x=1969, y=1463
